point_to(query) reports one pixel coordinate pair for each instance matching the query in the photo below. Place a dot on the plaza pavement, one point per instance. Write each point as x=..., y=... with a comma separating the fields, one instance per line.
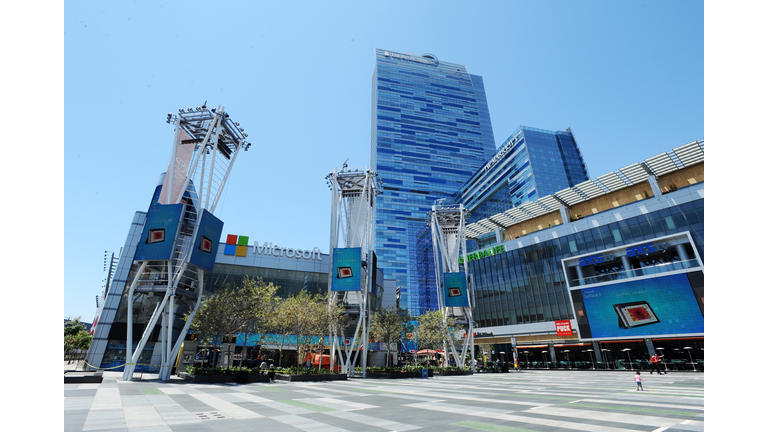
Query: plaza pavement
x=540, y=400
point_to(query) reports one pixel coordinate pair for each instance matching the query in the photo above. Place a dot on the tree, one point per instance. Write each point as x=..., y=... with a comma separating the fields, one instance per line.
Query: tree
x=308, y=317
x=433, y=330
x=276, y=329
x=219, y=315
x=391, y=326
x=76, y=337
x=258, y=304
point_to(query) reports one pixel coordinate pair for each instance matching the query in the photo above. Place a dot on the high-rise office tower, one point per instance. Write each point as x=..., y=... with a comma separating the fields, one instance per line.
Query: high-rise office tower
x=532, y=163
x=430, y=131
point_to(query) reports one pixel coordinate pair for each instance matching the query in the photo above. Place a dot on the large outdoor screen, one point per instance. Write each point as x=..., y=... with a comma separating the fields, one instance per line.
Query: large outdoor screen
x=455, y=286
x=666, y=305
x=345, y=275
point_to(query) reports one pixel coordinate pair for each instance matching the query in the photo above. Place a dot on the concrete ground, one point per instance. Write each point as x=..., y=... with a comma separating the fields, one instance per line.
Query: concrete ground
x=540, y=400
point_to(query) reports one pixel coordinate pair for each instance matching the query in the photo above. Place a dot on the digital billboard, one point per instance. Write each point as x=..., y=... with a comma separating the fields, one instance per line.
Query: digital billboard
x=159, y=235
x=455, y=288
x=207, y=241
x=345, y=274
x=666, y=305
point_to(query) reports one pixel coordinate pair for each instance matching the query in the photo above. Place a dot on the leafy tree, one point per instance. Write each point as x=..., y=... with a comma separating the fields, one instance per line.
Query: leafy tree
x=277, y=329
x=76, y=337
x=391, y=326
x=258, y=305
x=432, y=330
x=307, y=317
x=219, y=315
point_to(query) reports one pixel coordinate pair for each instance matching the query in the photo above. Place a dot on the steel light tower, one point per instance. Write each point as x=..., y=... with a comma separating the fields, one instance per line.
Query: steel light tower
x=454, y=290
x=181, y=235
x=353, y=261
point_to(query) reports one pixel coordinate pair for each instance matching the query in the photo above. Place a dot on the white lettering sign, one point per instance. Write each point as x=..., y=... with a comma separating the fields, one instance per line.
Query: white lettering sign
x=406, y=57
x=270, y=249
x=500, y=154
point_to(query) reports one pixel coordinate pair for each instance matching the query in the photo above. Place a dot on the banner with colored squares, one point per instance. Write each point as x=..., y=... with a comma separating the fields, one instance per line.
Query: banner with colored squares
x=455, y=285
x=346, y=269
x=236, y=245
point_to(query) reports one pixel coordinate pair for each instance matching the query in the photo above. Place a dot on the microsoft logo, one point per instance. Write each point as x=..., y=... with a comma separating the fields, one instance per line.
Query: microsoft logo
x=236, y=245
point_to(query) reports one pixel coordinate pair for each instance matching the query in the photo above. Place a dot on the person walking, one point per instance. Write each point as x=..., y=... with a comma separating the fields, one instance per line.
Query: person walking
x=655, y=360
x=639, y=381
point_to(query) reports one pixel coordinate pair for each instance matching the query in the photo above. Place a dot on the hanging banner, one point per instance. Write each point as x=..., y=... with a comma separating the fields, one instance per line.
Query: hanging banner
x=159, y=235
x=207, y=241
x=347, y=268
x=455, y=286
x=179, y=168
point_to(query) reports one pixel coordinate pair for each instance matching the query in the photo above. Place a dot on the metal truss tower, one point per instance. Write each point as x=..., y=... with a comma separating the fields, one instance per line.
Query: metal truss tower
x=354, y=193
x=455, y=293
x=181, y=235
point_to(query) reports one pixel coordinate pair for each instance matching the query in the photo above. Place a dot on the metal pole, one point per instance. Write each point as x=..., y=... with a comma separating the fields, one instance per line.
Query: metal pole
x=129, y=329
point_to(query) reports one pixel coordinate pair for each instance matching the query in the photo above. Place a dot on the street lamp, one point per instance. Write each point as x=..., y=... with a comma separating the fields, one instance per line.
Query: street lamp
x=689, y=356
x=662, y=359
x=627, y=350
x=605, y=357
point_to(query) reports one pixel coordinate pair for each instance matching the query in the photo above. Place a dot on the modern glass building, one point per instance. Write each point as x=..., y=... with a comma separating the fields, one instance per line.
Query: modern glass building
x=617, y=262
x=530, y=164
x=430, y=132
x=291, y=269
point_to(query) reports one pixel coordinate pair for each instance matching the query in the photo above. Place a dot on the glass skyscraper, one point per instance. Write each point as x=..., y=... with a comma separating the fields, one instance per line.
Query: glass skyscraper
x=532, y=163
x=430, y=131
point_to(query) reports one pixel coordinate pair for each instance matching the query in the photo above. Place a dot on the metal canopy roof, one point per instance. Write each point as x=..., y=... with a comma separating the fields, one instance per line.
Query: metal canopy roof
x=664, y=163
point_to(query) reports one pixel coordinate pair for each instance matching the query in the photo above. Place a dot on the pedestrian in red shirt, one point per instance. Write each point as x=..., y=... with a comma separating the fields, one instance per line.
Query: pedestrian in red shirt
x=655, y=360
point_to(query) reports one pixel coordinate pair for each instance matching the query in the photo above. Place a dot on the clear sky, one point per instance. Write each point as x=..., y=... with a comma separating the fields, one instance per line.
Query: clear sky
x=87, y=86
x=627, y=77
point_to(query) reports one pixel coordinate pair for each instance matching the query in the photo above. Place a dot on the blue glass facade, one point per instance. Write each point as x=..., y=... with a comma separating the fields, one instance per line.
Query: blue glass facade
x=431, y=131
x=531, y=164
x=527, y=285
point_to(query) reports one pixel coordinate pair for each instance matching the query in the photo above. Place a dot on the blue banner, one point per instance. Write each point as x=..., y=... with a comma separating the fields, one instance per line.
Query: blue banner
x=455, y=289
x=345, y=274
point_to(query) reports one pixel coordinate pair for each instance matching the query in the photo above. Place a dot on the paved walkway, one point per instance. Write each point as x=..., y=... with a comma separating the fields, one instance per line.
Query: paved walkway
x=597, y=401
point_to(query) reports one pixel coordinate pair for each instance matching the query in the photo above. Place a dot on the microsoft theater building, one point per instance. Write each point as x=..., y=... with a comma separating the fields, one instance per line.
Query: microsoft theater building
x=290, y=268
x=600, y=275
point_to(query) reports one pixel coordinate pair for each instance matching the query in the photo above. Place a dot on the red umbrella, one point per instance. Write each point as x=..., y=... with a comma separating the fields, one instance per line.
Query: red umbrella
x=428, y=351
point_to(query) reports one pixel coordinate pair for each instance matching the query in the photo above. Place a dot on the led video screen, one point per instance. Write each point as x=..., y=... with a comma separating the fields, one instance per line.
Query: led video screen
x=649, y=307
x=455, y=288
x=346, y=269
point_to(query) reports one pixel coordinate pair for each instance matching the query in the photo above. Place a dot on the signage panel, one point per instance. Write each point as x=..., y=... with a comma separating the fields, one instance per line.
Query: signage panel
x=563, y=328
x=159, y=234
x=347, y=268
x=665, y=305
x=455, y=288
x=204, y=252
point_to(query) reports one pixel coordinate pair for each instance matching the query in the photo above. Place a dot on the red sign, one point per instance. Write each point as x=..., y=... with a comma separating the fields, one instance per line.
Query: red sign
x=563, y=328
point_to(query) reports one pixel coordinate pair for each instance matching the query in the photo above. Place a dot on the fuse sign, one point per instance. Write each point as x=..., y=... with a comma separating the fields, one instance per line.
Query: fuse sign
x=563, y=328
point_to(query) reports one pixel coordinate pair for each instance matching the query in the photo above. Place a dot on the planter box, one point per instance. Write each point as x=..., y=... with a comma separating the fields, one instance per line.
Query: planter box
x=83, y=377
x=210, y=379
x=454, y=373
x=307, y=377
x=394, y=375
x=258, y=378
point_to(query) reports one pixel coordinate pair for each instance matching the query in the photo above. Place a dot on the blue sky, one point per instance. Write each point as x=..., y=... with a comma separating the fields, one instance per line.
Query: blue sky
x=627, y=77
x=87, y=86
